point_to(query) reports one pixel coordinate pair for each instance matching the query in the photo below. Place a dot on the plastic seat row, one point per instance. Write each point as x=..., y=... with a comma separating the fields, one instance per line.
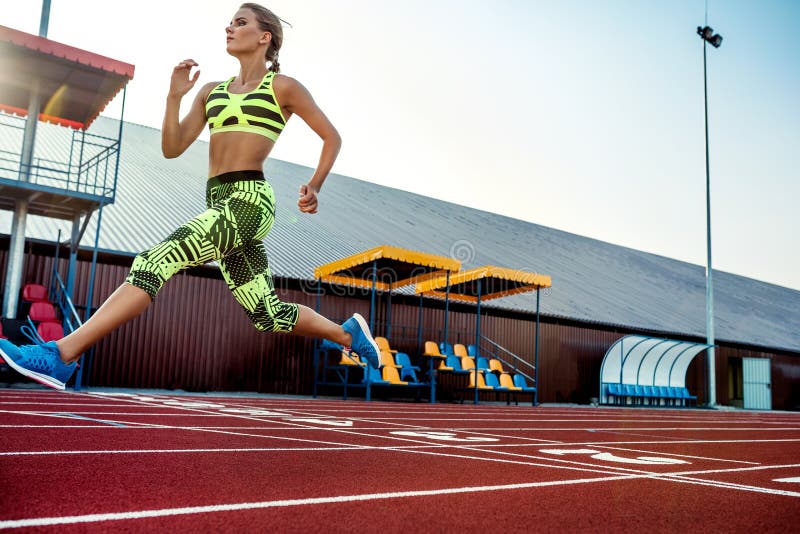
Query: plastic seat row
x=460, y=360
x=396, y=366
x=653, y=395
x=42, y=314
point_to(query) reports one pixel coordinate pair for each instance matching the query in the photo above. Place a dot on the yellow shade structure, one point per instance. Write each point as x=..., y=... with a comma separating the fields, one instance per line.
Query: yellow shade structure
x=495, y=282
x=486, y=283
x=393, y=267
x=383, y=268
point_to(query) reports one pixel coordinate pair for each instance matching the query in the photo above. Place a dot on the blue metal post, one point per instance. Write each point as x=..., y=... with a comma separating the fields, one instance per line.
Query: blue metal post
x=419, y=327
x=317, y=307
x=90, y=293
x=477, y=339
x=432, y=377
x=73, y=255
x=446, y=306
x=389, y=314
x=372, y=299
x=536, y=354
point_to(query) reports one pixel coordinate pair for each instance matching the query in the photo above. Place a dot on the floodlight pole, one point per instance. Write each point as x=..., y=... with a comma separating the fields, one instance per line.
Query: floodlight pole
x=706, y=35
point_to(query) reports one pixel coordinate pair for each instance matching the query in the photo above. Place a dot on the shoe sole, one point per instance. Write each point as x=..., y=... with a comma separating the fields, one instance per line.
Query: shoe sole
x=45, y=380
x=365, y=330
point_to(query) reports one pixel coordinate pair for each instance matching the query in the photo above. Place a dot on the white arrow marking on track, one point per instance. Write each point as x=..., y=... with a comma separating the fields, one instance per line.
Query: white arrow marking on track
x=329, y=422
x=608, y=457
x=790, y=479
x=253, y=411
x=440, y=436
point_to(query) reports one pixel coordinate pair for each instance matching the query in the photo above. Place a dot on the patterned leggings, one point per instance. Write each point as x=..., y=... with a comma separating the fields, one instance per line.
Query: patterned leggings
x=241, y=210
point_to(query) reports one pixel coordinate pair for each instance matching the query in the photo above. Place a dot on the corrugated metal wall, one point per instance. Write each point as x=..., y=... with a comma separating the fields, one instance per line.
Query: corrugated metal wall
x=195, y=337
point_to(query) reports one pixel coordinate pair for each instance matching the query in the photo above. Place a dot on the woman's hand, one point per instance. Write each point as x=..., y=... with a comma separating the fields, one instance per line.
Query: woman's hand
x=308, y=199
x=181, y=83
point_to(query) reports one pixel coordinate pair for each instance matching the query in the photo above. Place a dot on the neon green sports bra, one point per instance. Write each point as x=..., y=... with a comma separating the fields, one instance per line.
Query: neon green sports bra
x=255, y=112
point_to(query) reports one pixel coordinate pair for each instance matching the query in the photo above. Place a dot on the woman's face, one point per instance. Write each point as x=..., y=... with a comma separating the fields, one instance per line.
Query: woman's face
x=243, y=33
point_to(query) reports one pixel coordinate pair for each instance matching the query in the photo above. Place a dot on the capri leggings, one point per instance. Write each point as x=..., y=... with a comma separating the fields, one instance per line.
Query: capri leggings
x=241, y=210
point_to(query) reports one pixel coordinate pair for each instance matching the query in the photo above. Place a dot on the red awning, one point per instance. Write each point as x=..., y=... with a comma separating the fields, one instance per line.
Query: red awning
x=75, y=85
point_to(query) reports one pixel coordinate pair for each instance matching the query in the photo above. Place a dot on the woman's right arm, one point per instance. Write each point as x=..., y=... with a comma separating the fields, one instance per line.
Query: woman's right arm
x=177, y=135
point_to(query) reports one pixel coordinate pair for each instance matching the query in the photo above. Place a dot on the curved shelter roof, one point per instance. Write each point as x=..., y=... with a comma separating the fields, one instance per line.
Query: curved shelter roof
x=75, y=85
x=649, y=361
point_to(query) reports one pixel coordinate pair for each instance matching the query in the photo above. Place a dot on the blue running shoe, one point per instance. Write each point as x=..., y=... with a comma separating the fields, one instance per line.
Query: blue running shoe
x=362, y=343
x=41, y=362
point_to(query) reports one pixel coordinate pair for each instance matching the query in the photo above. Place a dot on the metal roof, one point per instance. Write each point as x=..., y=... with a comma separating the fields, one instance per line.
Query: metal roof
x=592, y=280
x=75, y=85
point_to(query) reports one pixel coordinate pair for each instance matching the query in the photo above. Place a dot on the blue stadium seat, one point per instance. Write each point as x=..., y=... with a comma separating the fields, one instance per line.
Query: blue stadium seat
x=374, y=375
x=446, y=348
x=492, y=381
x=614, y=390
x=520, y=382
x=406, y=369
x=663, y=394
x=472, y=350
x=483, y=363
x=685, y=395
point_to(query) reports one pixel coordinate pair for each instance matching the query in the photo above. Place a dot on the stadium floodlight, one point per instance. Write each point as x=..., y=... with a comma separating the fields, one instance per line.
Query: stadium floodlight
x=707, y=34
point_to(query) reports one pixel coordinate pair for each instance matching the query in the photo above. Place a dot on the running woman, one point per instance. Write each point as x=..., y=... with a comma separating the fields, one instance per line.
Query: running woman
x=245, y=115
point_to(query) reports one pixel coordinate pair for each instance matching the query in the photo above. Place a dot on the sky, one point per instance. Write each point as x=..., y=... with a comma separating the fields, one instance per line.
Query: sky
x=586, y=116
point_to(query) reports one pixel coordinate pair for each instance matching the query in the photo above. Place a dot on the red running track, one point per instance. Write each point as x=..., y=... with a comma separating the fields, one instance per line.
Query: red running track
x=140, y=462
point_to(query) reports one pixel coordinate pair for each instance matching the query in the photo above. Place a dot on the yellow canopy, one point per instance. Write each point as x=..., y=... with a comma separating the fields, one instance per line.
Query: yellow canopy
x=396, y=267
x=496, y=282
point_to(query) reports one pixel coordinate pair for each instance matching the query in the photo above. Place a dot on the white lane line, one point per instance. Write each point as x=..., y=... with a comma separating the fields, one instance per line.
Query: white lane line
x=143, y=414
x=164, y=512
x=613, y=468
x=584, y=429
x=735, y=470
x=682, y=477
x=729, y=485
x=329, y=448
x=168, y=451
x=686, y=442
x=588, y=467
x=86, y=404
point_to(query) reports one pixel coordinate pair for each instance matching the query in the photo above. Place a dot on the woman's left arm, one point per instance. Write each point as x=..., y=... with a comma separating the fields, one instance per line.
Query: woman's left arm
x=295, y=99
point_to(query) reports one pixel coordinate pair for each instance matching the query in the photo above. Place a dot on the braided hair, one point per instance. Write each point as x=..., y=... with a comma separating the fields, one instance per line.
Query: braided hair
x=269, y=22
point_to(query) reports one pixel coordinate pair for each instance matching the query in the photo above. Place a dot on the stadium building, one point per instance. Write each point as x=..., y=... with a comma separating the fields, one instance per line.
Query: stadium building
x=197, y=338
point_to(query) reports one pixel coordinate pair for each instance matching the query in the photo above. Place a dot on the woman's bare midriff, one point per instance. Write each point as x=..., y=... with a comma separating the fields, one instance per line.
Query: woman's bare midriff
x=237, y=151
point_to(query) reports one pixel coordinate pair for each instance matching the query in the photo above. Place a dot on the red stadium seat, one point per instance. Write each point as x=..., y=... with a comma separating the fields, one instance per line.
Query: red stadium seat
x=34, y=293
x=50, y=331
x=42, y=311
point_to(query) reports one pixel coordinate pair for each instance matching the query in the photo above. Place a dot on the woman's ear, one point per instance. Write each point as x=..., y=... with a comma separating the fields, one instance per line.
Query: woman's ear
x=266, y=38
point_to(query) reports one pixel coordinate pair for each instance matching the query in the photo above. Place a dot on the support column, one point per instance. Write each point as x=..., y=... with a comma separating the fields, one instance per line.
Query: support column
x=17, y=247
x=16, y=255
x=73, y=254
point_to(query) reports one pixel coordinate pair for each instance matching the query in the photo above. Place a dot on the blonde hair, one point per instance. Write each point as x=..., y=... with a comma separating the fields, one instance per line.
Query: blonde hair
x=268, y=22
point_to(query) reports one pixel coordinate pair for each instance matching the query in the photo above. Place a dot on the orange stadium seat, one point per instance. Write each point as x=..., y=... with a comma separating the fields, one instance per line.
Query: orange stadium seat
x=387, y=360
x=383, y=344
x=390, y=375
